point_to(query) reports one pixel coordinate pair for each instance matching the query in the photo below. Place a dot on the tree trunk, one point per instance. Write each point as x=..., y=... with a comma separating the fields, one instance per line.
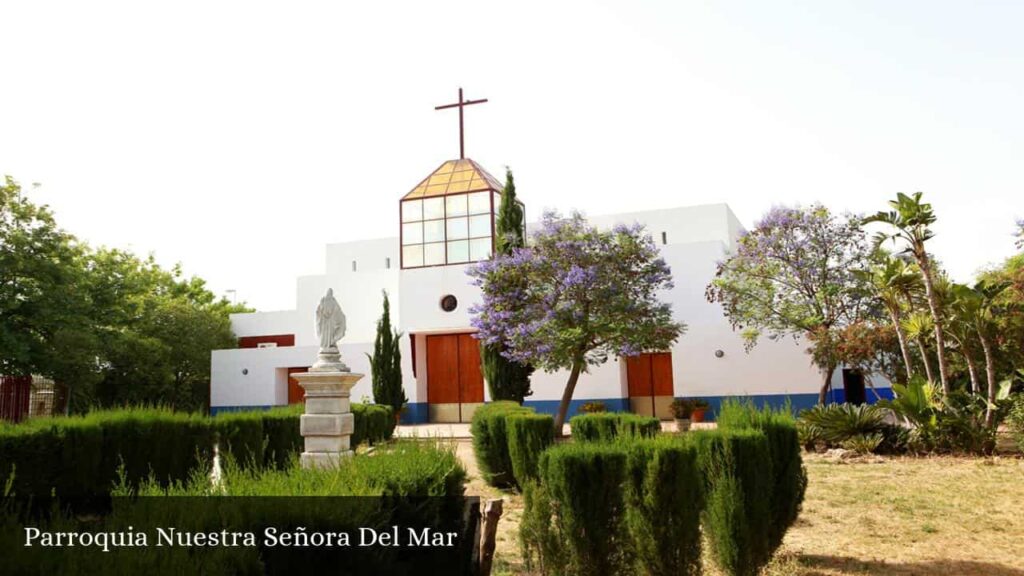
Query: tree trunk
x=971, y=368
x=933, y=305
x=990, y=375
x=904, y=347
x=563, y=406
x=924, y=359
x=822, y=394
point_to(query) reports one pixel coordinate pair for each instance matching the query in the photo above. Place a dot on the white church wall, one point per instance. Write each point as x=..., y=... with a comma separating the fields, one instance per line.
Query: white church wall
x=359, y=296
x=681, y=225
x=421, y=290
x=368, y=255
x=264, y=323
x=248, y=376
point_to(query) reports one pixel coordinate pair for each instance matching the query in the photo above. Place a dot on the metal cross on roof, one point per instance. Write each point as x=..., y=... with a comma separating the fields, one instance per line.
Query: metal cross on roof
x=461, y=104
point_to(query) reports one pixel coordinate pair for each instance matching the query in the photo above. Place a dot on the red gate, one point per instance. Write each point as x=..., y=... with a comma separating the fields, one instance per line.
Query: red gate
x=14, y=397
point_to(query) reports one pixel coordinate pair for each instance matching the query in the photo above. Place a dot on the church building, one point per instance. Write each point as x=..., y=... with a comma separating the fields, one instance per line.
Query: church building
x=443, y=224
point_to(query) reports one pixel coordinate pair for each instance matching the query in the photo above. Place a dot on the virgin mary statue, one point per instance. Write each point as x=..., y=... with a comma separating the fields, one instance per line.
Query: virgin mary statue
x=330, y=321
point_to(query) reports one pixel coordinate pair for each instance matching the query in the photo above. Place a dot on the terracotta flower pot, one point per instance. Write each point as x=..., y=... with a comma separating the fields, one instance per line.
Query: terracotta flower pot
x=698, y=414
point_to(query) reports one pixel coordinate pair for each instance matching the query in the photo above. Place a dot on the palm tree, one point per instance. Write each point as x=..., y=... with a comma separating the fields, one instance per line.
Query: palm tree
x=895, y=281
x=963, y=307
x=911, y=219
x=980, y=301
x=917, y=325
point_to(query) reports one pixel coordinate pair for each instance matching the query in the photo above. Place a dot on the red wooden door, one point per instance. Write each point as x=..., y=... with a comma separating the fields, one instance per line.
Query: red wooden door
x=443, y=369
x=296, y=394
x=638, y=375
x=661, y=374
x=649, y=379
x=454, y=378
x=471, y=379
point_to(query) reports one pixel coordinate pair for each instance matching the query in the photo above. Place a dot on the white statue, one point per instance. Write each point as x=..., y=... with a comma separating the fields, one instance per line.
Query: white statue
x=330, y=321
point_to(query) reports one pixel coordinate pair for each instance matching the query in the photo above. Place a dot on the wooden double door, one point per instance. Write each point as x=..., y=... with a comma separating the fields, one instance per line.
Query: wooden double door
x=651, y=389
x=455, y=384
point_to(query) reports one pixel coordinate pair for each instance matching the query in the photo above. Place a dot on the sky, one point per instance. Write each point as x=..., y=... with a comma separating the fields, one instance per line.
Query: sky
x=238, y=138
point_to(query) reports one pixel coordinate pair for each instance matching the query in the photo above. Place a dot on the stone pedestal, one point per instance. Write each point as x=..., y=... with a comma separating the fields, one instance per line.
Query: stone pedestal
x=328, y=422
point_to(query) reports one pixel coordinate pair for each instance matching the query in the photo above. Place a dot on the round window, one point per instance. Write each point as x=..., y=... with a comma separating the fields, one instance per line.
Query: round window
x=449, y=303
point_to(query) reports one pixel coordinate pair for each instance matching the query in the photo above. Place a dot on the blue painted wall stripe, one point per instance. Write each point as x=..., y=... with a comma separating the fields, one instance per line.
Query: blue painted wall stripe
x=418, y=413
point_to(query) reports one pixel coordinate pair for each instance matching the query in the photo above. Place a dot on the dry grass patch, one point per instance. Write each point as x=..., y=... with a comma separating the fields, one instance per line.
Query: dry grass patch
x=899, y=516
x=888, y=516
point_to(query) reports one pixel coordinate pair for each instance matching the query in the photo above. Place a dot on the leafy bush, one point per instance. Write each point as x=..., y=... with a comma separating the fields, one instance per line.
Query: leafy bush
x=490, y=441
x=607, y=427
x=789, y=477
x=864, y=444
x=373, y=423
x=737, y=518
x=836, y=423
x=584, y=484
x=664, y=499
x=1015, y=420
x=528, y=436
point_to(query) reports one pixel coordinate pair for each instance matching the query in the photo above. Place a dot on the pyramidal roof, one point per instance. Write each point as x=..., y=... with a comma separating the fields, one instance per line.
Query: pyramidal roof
x=455, y=176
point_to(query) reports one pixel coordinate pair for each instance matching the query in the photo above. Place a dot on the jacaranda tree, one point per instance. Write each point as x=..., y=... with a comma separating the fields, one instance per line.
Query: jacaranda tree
x=575, y=296
x=796, y=274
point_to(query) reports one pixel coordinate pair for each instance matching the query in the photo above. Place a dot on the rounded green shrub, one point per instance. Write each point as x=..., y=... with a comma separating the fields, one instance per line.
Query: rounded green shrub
x=528, y=436
x=490, y=441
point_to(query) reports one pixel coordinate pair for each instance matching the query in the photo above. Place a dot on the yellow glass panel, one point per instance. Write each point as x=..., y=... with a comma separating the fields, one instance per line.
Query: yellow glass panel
x=436, y=189
x=458, y=187
x=440, y=178
x=446, y=168
x=477, y=184
x=463, y=175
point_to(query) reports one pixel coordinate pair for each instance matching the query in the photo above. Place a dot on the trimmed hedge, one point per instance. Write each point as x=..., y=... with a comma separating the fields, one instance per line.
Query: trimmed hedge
x=789, y=476
x=84, y=456
x=584, y=484
x=374, y=423
x=737, y=470
x=633, y=506
x=607, y=426
x=528, y=436
x=490, y=441
x=407, y=483
x=664, y=497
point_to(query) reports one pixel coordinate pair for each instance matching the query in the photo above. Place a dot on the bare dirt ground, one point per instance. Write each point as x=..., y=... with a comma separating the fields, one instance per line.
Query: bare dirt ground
x=889, y=516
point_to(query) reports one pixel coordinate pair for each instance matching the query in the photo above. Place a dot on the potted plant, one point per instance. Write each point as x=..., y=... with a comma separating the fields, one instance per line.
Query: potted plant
x=594, y=407
x=700, y=406
x=682, y=410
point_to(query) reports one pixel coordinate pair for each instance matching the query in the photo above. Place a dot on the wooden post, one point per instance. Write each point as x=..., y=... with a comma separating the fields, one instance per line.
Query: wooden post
x=490, y=513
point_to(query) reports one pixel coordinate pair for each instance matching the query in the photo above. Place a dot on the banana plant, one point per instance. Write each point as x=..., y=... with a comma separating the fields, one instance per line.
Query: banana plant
x=916, y=402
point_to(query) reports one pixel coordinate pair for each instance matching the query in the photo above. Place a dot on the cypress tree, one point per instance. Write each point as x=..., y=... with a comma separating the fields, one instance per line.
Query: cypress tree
x=386, y=363
x=506, y=379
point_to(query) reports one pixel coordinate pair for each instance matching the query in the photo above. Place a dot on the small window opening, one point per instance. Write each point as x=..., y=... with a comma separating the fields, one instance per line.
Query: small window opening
x=664, y=237
x=353, y=265
x=387, y=263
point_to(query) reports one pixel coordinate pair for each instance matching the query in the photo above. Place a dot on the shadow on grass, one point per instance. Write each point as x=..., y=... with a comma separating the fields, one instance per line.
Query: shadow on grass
x=848, y=565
